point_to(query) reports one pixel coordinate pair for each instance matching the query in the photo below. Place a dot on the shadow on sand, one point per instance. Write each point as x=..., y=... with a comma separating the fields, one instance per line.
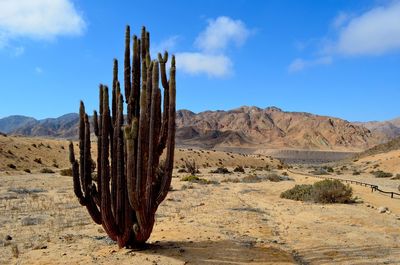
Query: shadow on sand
x=220, y=252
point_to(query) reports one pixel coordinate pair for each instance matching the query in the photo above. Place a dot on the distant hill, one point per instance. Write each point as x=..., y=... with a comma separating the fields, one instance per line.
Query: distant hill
x=382, y=148
x=245, y=127
x=385, y=129
x=271, y=128
x=10, y=123
x=65, y=126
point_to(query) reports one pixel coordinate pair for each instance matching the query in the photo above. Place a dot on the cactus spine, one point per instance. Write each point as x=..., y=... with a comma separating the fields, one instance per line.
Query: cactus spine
x=131, y=180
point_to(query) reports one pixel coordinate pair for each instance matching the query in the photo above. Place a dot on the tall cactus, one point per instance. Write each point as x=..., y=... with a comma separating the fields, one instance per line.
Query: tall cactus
x=131, y=180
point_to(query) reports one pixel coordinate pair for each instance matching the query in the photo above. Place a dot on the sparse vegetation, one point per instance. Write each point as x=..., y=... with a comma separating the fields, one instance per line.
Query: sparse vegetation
x=38, y=160
x=301, y=192
x=325, y=191
x=47, y=171
x=27, y=170
x=220, y=170
x=66, y=172
x=382, y=174
x=239, y=169
x=12, y=166
x=196, y=179
x=191, y=167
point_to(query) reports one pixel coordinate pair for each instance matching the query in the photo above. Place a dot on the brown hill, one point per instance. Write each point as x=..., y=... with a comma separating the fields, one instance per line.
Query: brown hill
x=249, y=128
x=23, y=153
x=271, y=128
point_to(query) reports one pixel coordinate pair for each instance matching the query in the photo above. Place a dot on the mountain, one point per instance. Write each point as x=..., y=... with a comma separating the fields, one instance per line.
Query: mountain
x=392, y=145
x=65, y=126
x=244, y=127
x=384, y=129
x=270, y=128
x=11, y=123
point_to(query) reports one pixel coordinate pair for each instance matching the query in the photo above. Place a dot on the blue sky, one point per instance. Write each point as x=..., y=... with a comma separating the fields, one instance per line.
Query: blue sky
x=333, y=57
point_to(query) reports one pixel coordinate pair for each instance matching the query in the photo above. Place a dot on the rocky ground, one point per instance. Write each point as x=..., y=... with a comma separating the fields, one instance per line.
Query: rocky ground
x=228, y=222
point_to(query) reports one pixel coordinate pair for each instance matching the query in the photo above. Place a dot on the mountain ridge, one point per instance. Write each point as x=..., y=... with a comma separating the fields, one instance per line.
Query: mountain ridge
x=245, y=126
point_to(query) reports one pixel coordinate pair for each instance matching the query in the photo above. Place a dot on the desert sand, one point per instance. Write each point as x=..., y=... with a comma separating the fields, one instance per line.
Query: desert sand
x=221, y=223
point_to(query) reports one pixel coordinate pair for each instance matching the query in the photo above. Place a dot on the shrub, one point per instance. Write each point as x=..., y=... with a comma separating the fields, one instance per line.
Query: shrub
x=382, y=174
x=38, y=160
x=251, y=179
x=191, y=167
x=46, y=171
x=239, y=169
x=27, y=170
x=331, y=191
x=325, y=191
x=298, y=193
x=220, y=170
x=273, y=177
x=182, y=170
x=66, y=172
x=196, y=179
x=12, y=166
x=356, y=173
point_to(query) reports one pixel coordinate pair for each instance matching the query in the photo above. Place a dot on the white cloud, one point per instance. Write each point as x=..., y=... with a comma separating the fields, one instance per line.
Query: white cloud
x=38, y=20
x=211, y=44
x=373, y=33
x=200, y=63
x=301, y=64
x=220, y=32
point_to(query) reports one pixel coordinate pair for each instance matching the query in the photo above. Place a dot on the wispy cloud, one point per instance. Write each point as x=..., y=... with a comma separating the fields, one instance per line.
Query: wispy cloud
x=212, y=48
x=38, y=20
x=372, y=33
x=301, y=64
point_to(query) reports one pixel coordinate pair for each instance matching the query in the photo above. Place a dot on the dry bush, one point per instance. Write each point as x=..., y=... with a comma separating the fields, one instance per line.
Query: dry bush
x=220, y=170
x=382, y=174
x=47, y=171
x=66, y=172
x=325, y=191
x=191, y=167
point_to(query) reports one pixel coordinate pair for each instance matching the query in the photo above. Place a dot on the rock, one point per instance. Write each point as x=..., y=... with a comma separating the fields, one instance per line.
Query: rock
x=8, y=237
x=383, y=209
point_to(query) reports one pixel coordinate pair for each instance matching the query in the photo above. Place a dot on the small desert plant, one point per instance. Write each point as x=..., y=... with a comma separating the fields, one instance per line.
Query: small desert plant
x=239, y=169
x=325, y=191
x=251, y=179
x=273, y=177
x=196, y=179
x=298, y=193
x=331, y=191
x=356, y=173
x=191, y=167
x=38, y=160
x=382, y=174
x=46, y=171
x=12, y=166
x=66, y=172
x=220, y=170
x=27, y=170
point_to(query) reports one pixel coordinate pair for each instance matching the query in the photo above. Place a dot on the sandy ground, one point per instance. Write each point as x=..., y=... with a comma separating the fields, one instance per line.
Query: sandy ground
x=224, y=223
x=34, y=154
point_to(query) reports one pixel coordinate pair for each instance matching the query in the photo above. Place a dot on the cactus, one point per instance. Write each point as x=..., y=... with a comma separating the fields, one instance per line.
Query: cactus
x=131, y=180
